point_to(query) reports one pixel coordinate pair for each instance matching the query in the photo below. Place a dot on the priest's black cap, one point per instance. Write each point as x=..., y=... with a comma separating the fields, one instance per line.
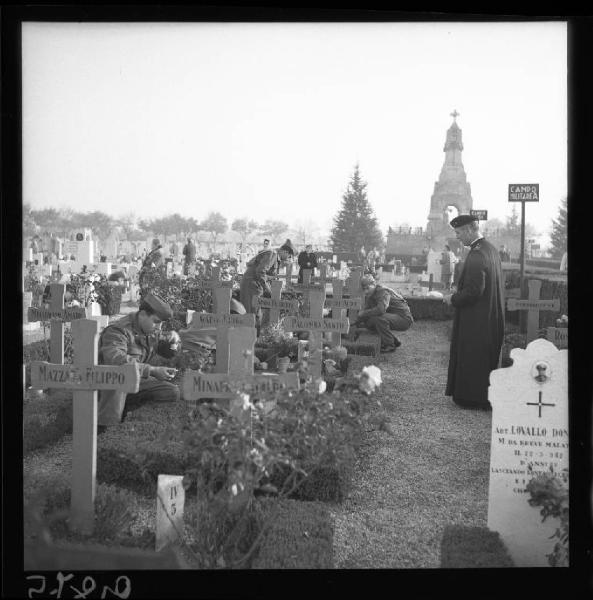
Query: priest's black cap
x=161, y=309
x=461, y=220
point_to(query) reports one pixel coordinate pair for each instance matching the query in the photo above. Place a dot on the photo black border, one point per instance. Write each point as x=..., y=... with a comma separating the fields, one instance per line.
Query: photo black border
x=414, y=583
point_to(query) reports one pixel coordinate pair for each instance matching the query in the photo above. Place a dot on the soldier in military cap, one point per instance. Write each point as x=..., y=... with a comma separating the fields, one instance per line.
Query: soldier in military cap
x=478, y=325
x=258, y=271
x=136, y=338
x=385, y=310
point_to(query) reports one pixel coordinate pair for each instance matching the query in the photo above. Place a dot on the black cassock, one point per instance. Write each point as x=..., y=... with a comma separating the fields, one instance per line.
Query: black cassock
x=478, y=326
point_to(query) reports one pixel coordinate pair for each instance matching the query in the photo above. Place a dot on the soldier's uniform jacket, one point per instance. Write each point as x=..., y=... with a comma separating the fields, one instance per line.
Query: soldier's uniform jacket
x=124, y=342
x=263, y=264
x=385, y=300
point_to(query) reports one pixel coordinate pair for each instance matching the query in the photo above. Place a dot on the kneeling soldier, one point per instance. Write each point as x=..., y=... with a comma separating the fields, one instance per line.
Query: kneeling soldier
x=136, y=338
x=384, y=310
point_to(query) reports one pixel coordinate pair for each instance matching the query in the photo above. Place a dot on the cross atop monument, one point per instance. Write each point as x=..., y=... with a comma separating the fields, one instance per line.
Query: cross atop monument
x=454, y=114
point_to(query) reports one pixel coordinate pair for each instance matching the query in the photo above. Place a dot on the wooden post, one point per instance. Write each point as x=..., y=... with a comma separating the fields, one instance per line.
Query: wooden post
x=533, y=305
x=84, y=377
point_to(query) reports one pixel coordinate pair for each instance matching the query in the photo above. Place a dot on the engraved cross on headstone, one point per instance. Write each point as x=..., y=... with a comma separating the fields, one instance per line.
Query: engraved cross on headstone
x=539, y=404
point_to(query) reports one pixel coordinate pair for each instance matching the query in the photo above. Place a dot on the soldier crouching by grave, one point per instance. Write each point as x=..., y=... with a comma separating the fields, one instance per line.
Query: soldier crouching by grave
x=136, y=338
x=384, y=310
x=255, y=279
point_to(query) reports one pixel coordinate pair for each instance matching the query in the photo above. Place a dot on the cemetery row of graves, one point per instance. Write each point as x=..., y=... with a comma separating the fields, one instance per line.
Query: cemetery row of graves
x=266, y=434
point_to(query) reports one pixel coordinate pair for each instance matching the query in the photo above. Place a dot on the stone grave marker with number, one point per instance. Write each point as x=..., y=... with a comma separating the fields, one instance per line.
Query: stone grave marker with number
x=84, y=377
x=533, y=305
x=275, y=304
x=170, y=503
x=529, y=437
x=315, y=324
x=197, y=385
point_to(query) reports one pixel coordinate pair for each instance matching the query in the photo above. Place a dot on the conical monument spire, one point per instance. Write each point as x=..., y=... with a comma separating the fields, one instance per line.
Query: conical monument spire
x=451, y=191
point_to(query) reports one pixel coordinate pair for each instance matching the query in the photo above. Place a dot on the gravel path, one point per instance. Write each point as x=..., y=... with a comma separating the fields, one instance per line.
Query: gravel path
x=429, y=471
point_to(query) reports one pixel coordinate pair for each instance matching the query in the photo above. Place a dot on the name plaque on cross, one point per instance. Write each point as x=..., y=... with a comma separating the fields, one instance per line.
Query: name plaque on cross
x=46, y=375
x=343, y=303
x=66, y=314
x=272, y=303
x=219, y=385
x=334, y=325
x=515, y=304
x=212, y=319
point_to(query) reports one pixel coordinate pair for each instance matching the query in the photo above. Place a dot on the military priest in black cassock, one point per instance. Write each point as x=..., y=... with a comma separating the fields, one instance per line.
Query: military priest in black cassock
x=478, y=324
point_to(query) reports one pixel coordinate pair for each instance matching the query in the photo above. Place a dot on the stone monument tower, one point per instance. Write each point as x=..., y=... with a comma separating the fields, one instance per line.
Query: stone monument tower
x=452, y=194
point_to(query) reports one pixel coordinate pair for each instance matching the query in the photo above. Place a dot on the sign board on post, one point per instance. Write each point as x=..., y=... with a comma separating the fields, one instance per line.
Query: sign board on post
x=523, y=192
x=529, y=437
x=482, y=215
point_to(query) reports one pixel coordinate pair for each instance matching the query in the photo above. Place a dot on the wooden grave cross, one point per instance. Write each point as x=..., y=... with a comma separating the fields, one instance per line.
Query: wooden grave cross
x=354, y=289
x=57, y=314
x=289, y=274
x=223, y=321
x=197, y=385
x=306, y=286
x=275, y=304
x=340, y=305
x=316, y=325
x=84, y=377
x=533, y=305
x=558, y=336
x=323, y=275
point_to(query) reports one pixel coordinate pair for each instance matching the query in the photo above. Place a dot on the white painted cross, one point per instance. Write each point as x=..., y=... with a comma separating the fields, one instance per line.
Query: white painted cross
x=316, y=325
x=222, y=320
x=275, y=304
x=85, y=377
x=340, y=306
x=197, y=385
x=354, y=289
x=306, y=286
x=57, y=315
x=533, y=305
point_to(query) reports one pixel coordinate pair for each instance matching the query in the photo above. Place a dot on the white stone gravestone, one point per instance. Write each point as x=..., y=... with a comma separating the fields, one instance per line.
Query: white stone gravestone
x=170, y=503
x=529, y=436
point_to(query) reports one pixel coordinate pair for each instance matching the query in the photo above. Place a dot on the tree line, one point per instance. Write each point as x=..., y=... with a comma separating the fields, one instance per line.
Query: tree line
x=64, y=220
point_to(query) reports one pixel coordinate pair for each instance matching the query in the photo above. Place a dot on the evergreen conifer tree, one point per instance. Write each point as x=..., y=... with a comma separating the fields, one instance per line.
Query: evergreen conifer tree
x=355, y=224
x=558, y=234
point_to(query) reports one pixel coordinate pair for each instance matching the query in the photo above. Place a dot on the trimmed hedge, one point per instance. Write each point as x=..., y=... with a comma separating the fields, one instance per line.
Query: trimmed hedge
x=300, y=537
x=472, y=547
x=133, y=453
x=46, y=419
x=429, y=308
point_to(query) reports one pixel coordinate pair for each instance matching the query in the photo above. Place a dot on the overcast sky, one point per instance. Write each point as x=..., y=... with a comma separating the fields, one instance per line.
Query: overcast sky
x=267, y=120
